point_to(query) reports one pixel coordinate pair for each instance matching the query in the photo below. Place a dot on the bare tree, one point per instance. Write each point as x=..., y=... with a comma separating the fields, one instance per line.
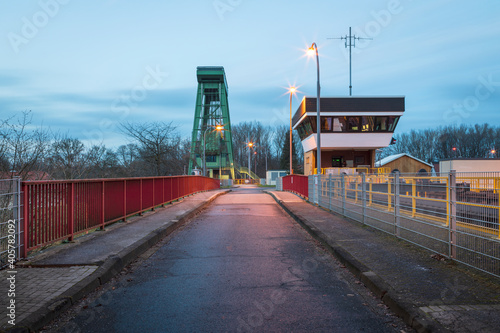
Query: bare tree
x=129, y=159
x=22, y=150
x=157, y=144
x=431, y=145
x=67, y=158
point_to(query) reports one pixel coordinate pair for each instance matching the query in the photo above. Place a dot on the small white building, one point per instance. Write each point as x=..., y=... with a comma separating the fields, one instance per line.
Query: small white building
x=272, y=176
x=470, y=165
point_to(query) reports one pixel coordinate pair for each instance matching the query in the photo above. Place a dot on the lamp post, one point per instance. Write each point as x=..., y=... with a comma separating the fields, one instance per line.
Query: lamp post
x=255, y=154
x=218, y=128
x=459, y=152
x=250, y=145
x=311, y=51
x=292, y=91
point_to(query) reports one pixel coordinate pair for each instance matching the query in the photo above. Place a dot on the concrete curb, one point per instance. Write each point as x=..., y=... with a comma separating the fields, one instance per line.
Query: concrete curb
x=105, y=272
x=404, y=309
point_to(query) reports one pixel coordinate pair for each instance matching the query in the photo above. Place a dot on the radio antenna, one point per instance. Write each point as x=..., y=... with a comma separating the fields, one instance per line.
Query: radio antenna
x=350, y=41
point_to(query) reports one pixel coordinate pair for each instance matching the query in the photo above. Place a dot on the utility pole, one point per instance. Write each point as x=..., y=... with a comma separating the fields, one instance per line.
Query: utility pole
x=350, y=41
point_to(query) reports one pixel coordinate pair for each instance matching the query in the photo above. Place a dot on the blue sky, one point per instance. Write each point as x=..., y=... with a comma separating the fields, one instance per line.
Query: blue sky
x=83, y=67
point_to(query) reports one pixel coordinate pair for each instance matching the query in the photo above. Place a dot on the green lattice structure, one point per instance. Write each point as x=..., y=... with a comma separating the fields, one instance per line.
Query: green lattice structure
x=212, y=109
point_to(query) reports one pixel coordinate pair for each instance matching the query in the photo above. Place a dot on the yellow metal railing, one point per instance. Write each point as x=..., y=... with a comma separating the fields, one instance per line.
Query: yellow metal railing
x=352, y=185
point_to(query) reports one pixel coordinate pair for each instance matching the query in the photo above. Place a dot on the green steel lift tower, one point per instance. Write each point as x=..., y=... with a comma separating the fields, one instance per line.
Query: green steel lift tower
x=212, y=112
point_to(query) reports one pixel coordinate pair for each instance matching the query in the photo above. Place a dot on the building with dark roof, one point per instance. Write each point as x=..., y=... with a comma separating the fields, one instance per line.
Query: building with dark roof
x=352, y=129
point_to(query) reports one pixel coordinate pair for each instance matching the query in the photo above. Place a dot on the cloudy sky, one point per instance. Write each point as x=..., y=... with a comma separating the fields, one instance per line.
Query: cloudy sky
x=82, y=67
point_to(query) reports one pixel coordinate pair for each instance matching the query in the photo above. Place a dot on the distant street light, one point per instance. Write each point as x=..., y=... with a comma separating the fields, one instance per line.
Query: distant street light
x=250, y=145
x=455, y=149
x=255, y=154
x=493, y=153
x=218, y=128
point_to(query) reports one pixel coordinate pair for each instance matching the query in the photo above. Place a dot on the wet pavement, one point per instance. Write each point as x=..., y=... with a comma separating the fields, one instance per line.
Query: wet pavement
x=52, y=280
x=243, y=265
x=430, y=293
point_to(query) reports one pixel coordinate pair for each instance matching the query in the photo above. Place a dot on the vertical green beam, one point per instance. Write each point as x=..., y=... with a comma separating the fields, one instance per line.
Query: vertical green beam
x=211, y=108
x=196, y=129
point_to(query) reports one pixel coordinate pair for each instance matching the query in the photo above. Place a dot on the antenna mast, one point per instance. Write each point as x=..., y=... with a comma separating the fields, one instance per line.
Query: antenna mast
x=350, y=41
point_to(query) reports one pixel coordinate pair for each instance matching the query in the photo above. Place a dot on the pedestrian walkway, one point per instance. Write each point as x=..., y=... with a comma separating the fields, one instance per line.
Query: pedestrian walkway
x=52, y=280
x=429, y=292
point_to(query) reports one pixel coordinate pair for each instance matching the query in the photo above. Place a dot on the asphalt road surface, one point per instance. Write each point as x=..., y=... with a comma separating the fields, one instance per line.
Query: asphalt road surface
x=242, y=265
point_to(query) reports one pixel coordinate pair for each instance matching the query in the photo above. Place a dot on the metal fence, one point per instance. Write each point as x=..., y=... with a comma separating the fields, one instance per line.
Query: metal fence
x=296, y=183
x=58, y=210
x=456, y=214
x=10, y=220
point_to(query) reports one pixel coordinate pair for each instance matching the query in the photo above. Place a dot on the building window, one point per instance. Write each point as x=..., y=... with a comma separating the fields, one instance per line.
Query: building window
x=380, y=124
x=348, y=124
x=339, y=124
x=353, y=124
x=367, y=124
x=393, y=121
x=326, y=124
x=337, y=162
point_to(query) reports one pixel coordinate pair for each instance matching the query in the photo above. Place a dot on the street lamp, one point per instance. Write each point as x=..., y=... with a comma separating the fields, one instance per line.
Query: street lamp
x=455, y=149
x=218, y=128
x=292, y=90
x=250, y=145
x=255, y=154
x=313, y=50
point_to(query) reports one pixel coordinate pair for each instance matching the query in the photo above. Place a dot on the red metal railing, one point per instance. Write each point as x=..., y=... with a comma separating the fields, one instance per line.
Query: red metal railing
x=57, y=210
x=297, y=184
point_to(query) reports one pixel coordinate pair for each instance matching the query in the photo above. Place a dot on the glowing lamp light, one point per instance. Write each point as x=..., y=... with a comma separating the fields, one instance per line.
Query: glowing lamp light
x=250, y=144
x=311, y=51
x=219, y=127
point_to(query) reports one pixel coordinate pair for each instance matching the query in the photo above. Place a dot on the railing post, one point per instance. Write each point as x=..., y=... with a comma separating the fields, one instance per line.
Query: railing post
x=71, y=211
x=124, y=200
x=330, y=191
x=24, y=249
x=102, y=205
x=413, y=199
x=363, y=195
x=163, y=190
x=389, y=193
x=16, y=213
x=154, y=202
x=342, y=183
x=319, y=187
x=315, y=187
x=452, y=188
x=140, y=197
x=396, y=204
